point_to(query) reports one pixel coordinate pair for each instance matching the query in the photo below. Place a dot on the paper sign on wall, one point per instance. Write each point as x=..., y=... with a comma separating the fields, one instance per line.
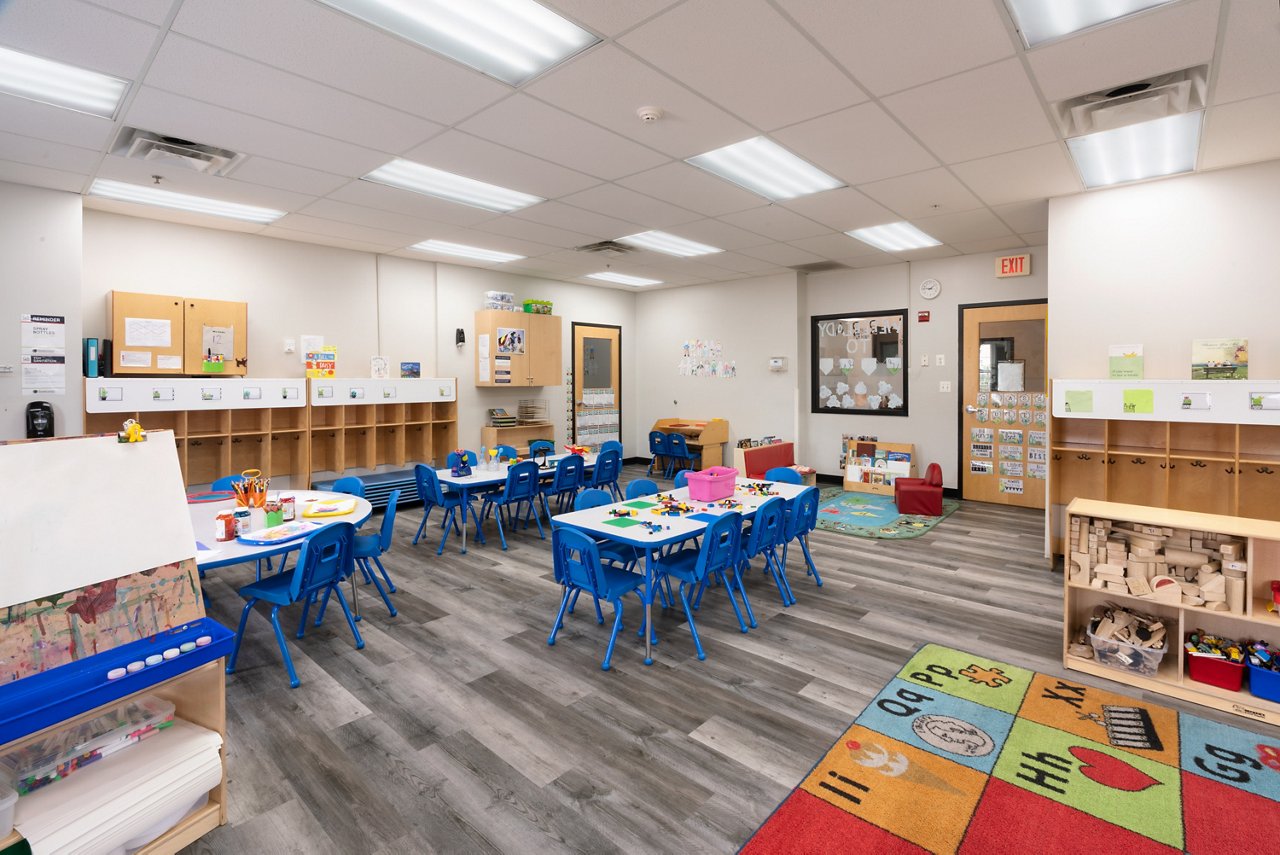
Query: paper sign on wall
x=1012, y=486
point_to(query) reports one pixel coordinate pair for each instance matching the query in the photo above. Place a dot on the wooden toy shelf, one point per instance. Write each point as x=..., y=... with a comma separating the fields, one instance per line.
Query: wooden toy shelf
x=853, y=472
x=517, y=436
x=1263, y=560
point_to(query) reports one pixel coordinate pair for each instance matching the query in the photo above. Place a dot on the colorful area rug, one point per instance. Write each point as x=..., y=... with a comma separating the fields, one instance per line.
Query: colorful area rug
x=870, y=515
x=965, y=754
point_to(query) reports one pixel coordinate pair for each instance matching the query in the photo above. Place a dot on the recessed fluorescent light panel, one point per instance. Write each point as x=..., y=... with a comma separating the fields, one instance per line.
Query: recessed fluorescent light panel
x=463, y=251
x=407, y=175
x=1044, y=20
x=182, y=202
x=623, y=279
x=512, y=40
x=895, y=237
x=1147, y=150
x=61, y=85
x=670, y=244
x=762, y=166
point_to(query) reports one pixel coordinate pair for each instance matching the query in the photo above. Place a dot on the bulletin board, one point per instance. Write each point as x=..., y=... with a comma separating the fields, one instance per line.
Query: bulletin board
x=858, y=363
x=147, y=334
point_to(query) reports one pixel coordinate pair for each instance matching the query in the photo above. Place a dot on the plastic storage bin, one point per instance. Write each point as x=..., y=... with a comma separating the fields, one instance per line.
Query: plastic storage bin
x=1216, y=672
x=1144, y=661
x=8, y=801
x=537, y=307
x=1264, y=684
x=712, y=484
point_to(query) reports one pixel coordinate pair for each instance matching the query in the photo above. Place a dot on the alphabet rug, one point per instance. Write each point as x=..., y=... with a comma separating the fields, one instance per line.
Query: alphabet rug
x=960, y=753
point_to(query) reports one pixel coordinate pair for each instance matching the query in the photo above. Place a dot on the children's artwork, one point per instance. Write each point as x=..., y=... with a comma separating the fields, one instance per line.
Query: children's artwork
x=866, y=351
x=982, y=434
x=705, y=358
x=1124, y=361
x=1013, y=486
x=379, y=368
x=61, y=628
x=981, y=467
x=980, y=450
x=1011, y=468
x=410, y=370
x=1038, y=437
x=1012, y=437
x=1220, y=359
x=322, y=364
x=1010, y=452
x=511, y=340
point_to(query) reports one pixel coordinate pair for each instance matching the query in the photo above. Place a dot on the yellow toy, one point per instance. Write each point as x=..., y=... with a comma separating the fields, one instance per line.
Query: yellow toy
x=132, y=431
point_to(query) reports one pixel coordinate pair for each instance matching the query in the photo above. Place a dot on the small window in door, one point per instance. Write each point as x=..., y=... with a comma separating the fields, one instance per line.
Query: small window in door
x=991, y=352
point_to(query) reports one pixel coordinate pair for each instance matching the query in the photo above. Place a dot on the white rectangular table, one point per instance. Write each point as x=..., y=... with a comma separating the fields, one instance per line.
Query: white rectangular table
x=599, y=523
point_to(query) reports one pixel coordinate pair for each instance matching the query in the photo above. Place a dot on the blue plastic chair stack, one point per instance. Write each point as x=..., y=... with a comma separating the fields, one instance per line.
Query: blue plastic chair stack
x=678, y=455
x=326, y=559
x=433, y=496
x=578, y=568
x=718, y=557
x=604, y=476
x=369, y=549
x=802, y=518
x=665, y=453
x=783, y=474
x=641, y=487
x=520, y=490
x=564, y=484
x=656, y=444
x=765, y=536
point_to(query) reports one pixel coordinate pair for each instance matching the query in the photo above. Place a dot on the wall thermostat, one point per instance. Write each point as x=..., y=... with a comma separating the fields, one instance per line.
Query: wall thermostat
x=777, y=363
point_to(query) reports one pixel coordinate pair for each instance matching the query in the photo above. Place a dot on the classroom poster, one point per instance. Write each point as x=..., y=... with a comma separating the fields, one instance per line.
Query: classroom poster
x=511, y=340
x=1012, y=437
x=322, y=364
x=410, y=370
x=1125, y=361
x=1011, y=468
x=1038, y=437
x=982, y=435
x=980, y=450
x=980, y=467
x=1010, y=452
x=1013, y=486
x=1038, y=471
x=1220, y=359
x=44, y=354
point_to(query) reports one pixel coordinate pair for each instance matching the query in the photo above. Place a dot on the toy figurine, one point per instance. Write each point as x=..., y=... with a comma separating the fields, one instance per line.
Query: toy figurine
x=132, y=431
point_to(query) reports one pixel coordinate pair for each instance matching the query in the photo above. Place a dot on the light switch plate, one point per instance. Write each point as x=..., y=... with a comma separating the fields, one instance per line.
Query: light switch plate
x=940, y=360
x=924, y=360
x=289, y=345
x=944, y=385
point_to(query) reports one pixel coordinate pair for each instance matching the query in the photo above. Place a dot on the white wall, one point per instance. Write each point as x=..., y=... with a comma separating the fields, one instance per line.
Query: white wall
x=1162, y=263
x=753, y=319
x=933, y=419
x=39, y=273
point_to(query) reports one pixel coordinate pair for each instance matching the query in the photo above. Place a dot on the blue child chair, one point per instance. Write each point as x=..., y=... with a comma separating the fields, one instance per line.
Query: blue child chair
x=678, y=454
x=453, y=459
x=717, y=557
x=564, y=484
x=641, y=487
x=507, y=452
x=433, y=496
x=604, y=476
x=682, y=478
x=801, y=519
x=783, y=474
x=656, y=445
x=369, y=549
x=611, y=445
x=351, y=485
x=326, y=559
x=578, y=568
x=765, y=536
x=521, y=489
x=542, y=445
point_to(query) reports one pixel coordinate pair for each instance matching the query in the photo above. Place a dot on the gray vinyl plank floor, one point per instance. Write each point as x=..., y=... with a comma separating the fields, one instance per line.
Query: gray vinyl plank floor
x=457, y=729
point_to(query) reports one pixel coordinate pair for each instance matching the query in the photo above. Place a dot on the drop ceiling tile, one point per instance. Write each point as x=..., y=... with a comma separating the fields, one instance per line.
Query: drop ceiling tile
x=542, y=267
x=1033, y=173
x=374, y=218
x=833, y=246
x=927, y=253
x=842, y=209
x=690, y=124
x=41, y=176
x=1163, y=39
x=608, y=19
x=875, y=258
x=775, y=221
x=974, y=247
x=922, y=194
x=586, y=262
x=736, y=262
x=189, y=68
x=720, y=234
x=280, y=233
x=1249, y=62
x=84, y=36
x=1025, y=216
x=49, y=155
x=487, y=240
x=528, y=125
x=692, y=188
x=174, y=115
x=974, y=114
x=407, y=202
x=477, y=158
x=536, y=232
x=43, y=121
x=685, y=269
x=893, y=46
x=782, y=254
x=1036, y=238
x=181, y=180
x=977, y=224
x=573, y=219
x=348, y=231
x=306, y=38
x=857, y=145
x=737, y=74
x=151, y=11
x=1243, y=132
x=286, y=176
x=169, y=215
x=634, y=207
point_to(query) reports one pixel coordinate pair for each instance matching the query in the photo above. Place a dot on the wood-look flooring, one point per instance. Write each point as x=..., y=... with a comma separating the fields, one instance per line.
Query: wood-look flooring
x=457, y=729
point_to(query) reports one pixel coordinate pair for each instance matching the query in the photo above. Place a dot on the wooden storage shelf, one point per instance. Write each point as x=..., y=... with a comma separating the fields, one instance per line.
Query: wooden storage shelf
x=1200, y=454
x=418, y=447
x=885, y=485
x=359, y=448
x=358, y=415
x=1138, y=450
x=418, y=413
x=389, y=445
x=390, y=414
x=250, y=421
x=291, y=418
x=539, y=362
x=208, y=422
x=517, y=436
x=251, y=451
x=326, y=451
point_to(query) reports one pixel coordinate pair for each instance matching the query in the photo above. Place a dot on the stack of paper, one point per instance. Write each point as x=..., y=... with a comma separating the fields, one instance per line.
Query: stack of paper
x=103, y=807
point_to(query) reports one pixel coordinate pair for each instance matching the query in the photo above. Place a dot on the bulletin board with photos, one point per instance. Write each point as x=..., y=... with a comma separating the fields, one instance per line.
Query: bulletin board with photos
x=858, y=362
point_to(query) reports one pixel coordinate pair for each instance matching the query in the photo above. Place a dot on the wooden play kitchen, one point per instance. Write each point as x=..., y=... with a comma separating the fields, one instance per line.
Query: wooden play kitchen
x=1191, y=574
x=706, y=438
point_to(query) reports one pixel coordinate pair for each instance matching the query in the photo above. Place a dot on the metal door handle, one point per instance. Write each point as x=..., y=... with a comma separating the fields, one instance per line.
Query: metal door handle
x=970, y=408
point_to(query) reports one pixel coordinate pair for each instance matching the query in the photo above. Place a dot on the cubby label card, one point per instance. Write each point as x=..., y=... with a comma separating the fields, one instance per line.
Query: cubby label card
x=388, y=392
x=324, y=391
x=356, y=391
x=110, y=393
x=252, y=393
x=211, y=393
x=162, y=393
x=289, y=393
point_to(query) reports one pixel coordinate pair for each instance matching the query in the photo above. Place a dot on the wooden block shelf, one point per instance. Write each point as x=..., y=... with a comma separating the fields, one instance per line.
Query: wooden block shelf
x=517, y=436
x=1262, y=559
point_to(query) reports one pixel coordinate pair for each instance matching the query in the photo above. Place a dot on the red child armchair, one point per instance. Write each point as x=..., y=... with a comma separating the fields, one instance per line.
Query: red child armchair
x=921, y=496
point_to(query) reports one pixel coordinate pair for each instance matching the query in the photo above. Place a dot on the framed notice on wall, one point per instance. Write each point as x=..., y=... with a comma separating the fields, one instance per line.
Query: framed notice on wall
x=858, y=362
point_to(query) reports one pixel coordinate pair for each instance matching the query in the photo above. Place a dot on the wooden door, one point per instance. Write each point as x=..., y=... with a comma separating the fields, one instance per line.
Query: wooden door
x=597, y=384
x=546, y=367
x=1004, y=423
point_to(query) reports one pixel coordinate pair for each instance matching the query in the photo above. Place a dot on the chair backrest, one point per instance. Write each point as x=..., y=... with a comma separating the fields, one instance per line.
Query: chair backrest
x=720, y=545
x=569, y=473
x=682, y=478
x=611, y=445
x=677, y=445
x=803, y=514
x=592, y=498
x=453, y=459
x=666, y=444
x=655, y=441
x=226, y=484
x=785, y=474
x=388, y=522
x=522, y=481
x=351, y=485
x=767, y=528
x=507, y=451
x=428, y=485
x=933, y=475
x=541, y=445
x=576, y=560
x=326, y=557
x=641, y=487
x=607, y=468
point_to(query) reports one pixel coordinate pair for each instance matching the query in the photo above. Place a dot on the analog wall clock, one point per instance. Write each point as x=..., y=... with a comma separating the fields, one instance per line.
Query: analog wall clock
x=930, y=288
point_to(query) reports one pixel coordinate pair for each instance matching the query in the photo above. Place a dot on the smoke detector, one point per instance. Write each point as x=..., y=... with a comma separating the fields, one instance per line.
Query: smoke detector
x=160, y=150
x=1139, y=101
x=649, y=115
x=609, y=248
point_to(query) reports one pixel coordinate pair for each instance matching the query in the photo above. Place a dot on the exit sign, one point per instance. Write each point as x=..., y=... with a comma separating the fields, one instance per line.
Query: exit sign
x=1013, y=265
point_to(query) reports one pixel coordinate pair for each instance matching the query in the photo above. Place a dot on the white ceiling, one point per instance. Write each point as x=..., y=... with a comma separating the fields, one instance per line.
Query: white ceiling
x=930, y=110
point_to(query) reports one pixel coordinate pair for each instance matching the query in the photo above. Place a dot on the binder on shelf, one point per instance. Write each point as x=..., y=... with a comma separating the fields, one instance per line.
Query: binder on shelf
x=105, y=368
x=90, y=357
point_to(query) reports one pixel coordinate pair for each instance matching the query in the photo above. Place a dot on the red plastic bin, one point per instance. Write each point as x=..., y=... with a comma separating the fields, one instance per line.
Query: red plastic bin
x=712, y=484
x=1217, y=672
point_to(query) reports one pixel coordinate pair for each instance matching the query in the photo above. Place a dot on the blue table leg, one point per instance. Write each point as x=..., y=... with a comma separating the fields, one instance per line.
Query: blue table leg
x=466, y=503
x=648, y=606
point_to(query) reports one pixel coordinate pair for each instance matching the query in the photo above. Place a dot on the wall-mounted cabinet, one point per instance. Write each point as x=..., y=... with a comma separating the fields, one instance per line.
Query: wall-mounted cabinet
x=518, y=349
x=155, y=334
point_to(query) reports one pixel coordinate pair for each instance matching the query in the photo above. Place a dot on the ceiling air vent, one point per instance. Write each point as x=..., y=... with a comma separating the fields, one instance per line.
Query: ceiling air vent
x=819, y=267
x=172, y=151
x=606, y=247
x=1140, y=101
